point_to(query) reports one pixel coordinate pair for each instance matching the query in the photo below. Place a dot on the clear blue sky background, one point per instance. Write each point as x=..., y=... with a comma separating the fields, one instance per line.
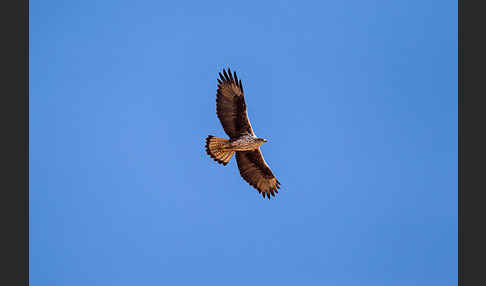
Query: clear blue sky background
x=358, y=100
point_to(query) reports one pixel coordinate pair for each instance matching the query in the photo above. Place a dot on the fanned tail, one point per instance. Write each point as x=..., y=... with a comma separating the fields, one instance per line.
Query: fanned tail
x=219, y=149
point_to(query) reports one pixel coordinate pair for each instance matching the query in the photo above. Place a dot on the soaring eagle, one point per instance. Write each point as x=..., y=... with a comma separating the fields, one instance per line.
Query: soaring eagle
x=231, y=111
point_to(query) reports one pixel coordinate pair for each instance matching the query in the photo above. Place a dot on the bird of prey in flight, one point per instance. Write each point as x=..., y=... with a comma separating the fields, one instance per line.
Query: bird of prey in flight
x=231, y=111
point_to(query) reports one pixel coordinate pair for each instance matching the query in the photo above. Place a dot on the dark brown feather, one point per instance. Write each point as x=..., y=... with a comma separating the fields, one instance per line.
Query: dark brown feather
x=231, y=107
x=256, y=172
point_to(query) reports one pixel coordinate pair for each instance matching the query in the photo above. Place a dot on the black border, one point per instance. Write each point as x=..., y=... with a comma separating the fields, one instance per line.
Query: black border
x=471, y=143
x=14, y=104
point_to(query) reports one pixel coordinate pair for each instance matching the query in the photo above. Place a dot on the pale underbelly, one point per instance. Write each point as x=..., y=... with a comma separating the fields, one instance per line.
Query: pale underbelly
x=244, y=146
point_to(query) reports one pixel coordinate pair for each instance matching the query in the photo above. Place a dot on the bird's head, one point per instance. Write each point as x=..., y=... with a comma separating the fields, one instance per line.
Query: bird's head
x=262, y=140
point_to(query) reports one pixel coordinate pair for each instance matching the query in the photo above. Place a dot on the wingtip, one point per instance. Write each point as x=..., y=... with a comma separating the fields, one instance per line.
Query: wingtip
x=225, y=75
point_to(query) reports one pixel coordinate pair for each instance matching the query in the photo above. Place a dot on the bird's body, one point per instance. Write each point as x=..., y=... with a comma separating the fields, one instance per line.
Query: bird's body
x=246, y=142
x=231, y=111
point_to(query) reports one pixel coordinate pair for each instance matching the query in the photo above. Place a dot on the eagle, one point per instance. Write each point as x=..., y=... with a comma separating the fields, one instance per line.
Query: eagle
x=231, y=111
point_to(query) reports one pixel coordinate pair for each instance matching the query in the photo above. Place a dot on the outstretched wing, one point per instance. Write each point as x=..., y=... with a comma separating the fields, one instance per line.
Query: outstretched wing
x=231, y=107
x=256, y=172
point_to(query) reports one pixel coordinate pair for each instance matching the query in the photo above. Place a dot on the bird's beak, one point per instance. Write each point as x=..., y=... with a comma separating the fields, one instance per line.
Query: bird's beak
x=264, y=140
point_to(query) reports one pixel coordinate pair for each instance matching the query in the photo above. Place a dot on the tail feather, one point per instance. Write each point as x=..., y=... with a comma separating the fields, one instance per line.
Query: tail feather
x=218, y=149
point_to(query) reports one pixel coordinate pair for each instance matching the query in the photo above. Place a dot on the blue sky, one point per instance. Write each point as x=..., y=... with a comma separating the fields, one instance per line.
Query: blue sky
x=358, y=100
